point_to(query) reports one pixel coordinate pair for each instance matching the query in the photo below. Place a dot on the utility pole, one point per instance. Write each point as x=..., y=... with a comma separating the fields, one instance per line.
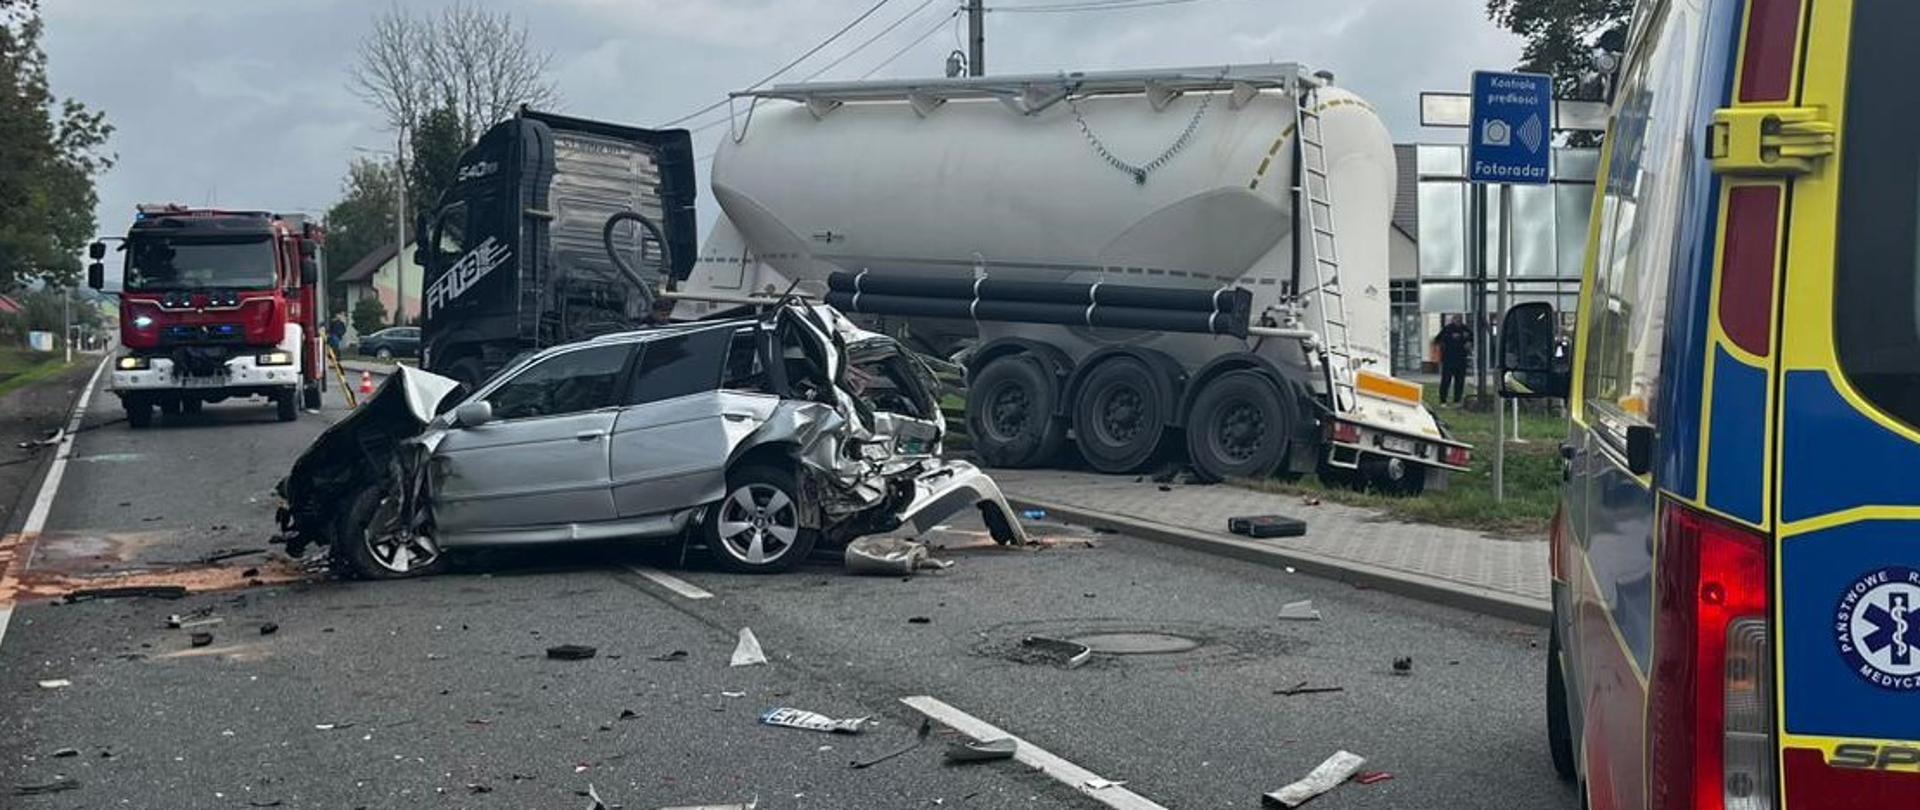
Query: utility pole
x=976, y=37
x=66, y=317
x=400, y=230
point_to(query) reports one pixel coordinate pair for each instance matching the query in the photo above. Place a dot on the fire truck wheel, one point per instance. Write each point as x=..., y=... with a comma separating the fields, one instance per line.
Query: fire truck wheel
x=139, y=413
x=190, y=405
x=1559, y=721
x=1238, y=427
x=170, y=406
x=1120, y=416
x=1010, y=413
x=287, y=405
x=310, y=397
x=1392, y=476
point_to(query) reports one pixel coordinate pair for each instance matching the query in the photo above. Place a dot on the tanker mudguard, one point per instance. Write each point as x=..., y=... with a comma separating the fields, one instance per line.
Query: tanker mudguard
x=514, y=254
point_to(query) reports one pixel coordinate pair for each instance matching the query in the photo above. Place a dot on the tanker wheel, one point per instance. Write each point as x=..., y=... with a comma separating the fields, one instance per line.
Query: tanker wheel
x=1392, y=476
x=1120, y=416
x=1010, y=407
x=1238, y=427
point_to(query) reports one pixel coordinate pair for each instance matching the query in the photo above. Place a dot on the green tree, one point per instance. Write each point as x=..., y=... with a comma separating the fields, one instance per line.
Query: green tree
x=50, y=151
x=1563, y=35
x=362, y=221
x=437, y=141
x=369, y=315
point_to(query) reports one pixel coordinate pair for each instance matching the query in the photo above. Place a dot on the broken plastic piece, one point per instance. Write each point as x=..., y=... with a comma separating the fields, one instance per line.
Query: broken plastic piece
x=1338, y=768
x=1071, y=655
x=56, y=683
x=926, y=729
x=1371, y=777
x=982, y=750
x=269, y=629
x=1403, y=665
x=594, y=802
x=748, y=653
x=891, y=556
x=1267, y=526
x=571, y=652
x=58, y=784
x=154, y=591
x=1302, y=688
x=66, y=752
x=201, y=639
x=1301, y=611
x=676, y=655
x=813, y=721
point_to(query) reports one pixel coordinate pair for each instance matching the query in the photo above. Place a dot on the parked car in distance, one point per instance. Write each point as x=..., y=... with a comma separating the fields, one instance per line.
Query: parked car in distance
x=757, y=438
x=395, y=341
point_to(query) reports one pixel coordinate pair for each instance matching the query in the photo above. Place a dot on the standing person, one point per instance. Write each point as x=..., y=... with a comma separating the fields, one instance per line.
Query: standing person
x=1456, y=342
x=336, y=333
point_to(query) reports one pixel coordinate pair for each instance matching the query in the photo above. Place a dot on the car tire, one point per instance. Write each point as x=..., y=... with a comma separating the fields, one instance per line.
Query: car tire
x=1120, y=416
x=356, y=551
x=1393, y=476
x=1559, y=716
x=758, y=527
x=286, y=405
x=139, y=414
x=1010, y=407
x=1238, y=427
x=384, y=353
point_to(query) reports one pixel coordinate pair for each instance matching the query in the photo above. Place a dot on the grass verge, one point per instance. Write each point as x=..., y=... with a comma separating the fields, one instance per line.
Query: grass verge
x=20, y=368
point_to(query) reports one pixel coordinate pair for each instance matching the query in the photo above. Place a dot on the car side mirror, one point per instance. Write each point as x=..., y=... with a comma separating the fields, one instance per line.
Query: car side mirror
x=1532, y=358
x=96, y=274
x=473, y=414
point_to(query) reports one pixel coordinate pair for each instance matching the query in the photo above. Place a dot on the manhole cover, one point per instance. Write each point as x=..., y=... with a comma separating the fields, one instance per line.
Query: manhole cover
x=1136, y=643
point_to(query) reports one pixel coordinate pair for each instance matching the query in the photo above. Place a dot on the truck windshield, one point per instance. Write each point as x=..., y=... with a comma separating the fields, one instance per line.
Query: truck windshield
x=1877, y=284
x=176, y=263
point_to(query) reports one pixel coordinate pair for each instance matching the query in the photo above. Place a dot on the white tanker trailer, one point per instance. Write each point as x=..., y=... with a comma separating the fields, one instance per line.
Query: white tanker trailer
x=1052, y=209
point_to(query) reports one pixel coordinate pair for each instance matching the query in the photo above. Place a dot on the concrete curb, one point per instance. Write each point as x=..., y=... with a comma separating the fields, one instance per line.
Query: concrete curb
x=1429, y=589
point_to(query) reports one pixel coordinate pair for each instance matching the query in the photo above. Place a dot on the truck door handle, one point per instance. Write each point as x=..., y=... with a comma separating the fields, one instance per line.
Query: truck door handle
x=590, y=435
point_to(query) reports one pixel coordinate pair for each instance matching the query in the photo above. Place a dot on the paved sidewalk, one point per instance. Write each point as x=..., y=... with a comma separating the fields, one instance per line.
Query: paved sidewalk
x=1452, y=566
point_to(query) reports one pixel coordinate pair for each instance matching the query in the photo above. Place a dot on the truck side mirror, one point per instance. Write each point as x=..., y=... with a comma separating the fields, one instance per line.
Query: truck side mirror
x=1532, y=361
x=97, y=274
x=97, y=250
x=308, y=249
x=309, y=271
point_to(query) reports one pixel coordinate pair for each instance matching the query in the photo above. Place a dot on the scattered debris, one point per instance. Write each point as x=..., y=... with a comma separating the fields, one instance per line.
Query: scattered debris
x=177, y=622
x=594, y=802
x=919, y=620
x=1371, y=777
x=1302, y=688
x=127, y=592
x=628, y=714
x=202, y=639
x=59, y=783
x=269, y=629
x=477, y=788
x=230, y=553
x=66, y=752
x=264, y=803
x=811, y=721
x=748, y=653
x=1267, y=526
x=56, y=683
x=1329, y=774
x=1165, y=488
x=1310, y=501
x=571, y=652
x=733, y=694
x=676, y=655
x=926, y=729
x=1301, y=611
x=1069, y=654
x=332, y=726
x=1403, y=665
x=748, y=806
x=982, y=750
x=891, y=556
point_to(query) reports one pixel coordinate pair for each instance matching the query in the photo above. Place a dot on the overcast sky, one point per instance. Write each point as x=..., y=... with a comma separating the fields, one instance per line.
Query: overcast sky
x=245, y=103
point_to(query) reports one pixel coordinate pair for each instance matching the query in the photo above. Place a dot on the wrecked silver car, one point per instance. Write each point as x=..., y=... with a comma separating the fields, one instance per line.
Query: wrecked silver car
x=757, y=438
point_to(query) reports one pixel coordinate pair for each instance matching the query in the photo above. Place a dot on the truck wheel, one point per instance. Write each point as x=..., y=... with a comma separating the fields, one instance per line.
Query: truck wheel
x=310, y=397
x=191, y=405
x=139, y=413
x=1238, y=427
x=287, y=405
x=1120, y=416
x=1010, y=409
x=171, y=406
x=1392, y=476
x=1559, y=720
x=369, y=546
x=468, y=372
x=756, y=528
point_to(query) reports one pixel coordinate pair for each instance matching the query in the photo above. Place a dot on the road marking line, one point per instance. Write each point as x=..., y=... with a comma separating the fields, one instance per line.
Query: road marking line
x=1032, y=755
x=671, y=582
x=50, y=486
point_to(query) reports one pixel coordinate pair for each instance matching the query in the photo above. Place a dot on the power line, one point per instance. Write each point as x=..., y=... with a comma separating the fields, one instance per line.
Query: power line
x=870, y=40
x=1088, y=5
x=942, y=23
x=789, y=66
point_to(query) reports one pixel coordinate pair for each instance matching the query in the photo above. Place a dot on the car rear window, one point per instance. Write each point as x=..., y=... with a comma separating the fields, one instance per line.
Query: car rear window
x=1877, y=281
x=679, y=365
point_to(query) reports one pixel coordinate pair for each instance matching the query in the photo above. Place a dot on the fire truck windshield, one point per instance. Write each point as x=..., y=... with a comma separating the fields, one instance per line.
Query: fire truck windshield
x=181, y=263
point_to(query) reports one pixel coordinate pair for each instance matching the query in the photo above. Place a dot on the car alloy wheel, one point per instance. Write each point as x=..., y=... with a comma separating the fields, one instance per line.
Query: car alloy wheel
x=758, y=524
x=392, y=546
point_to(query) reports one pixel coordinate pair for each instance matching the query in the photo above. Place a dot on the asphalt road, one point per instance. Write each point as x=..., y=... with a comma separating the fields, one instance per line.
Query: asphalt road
x=438, y=692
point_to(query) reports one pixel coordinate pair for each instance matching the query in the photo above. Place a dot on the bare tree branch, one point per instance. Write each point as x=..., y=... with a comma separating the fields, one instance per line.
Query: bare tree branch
x=481, y=64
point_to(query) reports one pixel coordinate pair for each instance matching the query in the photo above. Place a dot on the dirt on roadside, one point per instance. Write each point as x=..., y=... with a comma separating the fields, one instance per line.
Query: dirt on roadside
x=26, y=415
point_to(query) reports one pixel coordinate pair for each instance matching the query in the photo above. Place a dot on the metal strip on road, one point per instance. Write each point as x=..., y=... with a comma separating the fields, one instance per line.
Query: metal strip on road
x=50, y=485
x=671, y=582
x=1033, y=756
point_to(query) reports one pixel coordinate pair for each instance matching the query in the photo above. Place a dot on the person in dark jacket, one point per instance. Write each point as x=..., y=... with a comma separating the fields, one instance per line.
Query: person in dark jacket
x=336, y=333
x=1456, y=343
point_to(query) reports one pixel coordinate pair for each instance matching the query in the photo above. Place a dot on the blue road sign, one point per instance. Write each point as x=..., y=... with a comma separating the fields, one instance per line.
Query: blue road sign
x=1510, y=140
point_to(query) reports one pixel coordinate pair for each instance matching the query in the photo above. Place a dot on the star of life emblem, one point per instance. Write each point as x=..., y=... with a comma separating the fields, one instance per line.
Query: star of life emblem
x=1877, y=627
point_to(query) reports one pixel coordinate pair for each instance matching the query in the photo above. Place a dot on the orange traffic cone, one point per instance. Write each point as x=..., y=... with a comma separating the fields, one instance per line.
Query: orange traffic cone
x=366, y=384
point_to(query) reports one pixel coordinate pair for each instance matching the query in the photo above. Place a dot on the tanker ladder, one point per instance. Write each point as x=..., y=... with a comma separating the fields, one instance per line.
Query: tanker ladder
x=1320, y=252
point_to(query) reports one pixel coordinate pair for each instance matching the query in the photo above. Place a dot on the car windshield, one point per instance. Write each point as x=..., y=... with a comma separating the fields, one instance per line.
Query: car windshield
x=173, y=263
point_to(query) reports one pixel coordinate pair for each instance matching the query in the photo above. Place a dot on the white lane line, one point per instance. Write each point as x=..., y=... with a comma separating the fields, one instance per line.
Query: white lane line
x=671, y=582
x=1032, y=755
x=50, y=486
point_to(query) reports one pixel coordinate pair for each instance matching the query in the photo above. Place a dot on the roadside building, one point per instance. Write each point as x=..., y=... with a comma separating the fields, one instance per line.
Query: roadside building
x=394, y=280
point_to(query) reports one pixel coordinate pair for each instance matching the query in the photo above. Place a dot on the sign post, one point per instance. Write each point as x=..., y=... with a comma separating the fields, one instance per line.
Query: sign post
x=1509, y=140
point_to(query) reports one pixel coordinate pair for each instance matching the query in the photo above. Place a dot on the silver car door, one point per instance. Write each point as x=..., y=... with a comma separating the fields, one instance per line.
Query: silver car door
x=545, y=458
x=672, y=442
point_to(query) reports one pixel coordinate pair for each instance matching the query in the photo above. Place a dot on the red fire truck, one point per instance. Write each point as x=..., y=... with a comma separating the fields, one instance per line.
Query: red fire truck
x=217, y=304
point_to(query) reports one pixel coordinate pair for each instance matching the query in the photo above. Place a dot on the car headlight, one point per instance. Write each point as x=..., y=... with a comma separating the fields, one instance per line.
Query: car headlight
x=274, y=359
x=132, y=364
